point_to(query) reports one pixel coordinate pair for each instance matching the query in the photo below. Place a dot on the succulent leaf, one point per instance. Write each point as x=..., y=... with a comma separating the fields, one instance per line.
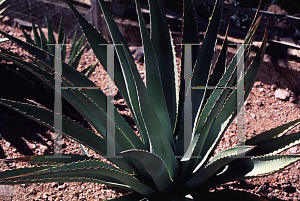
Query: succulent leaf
x=45, y=159
x=276, y=145
x=61, y=32
x=272, y=133
x=206, y=172
x=205, y=56
x=270, y=164
x=95, y=38
x=37, y=39
x=89, y=69
x=51, y=38
x=153, y=79
x=71, y=129
x=157, y=168
x=164, y=50
x=28, y=38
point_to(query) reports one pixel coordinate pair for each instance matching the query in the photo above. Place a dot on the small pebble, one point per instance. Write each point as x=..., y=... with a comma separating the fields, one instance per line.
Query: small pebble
x=7, y=144
x=259, y=103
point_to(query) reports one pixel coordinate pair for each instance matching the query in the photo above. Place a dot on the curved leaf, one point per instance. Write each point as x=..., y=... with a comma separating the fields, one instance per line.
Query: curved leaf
x=90, y=169
x=27, y=36
x=228, y=111
x=272, y=133
x=205, y=56
x=45, y=159
x=37, y=39
x=190, y=34
x=206, y=172
x=275, y=145
x=158, y=138
x=65, y=179
x=78, y=79
x=70, y=128
x=153, y=79
x=95, y=39
x=156, y=168
x=165, y=54
x=269, y=164
x=51, y=38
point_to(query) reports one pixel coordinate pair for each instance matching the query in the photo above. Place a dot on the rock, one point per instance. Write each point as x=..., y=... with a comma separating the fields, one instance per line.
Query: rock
x=31, y=146
x=263, y=189
x=132, y=50
x=7, y=144
x=22, y=23
x=59, y=194
x=259, y=103
x=287, y=187
x=292, y=99
x=6, y=20
x=54, y=184
x=44, y=196
x=137, y=53
x=32, y=191
x=43, y=149
x=252, y=115
x=81, y=197
x=90, y=52
x=282, y=94
x=49, y=143
x=273, y=87
x=61, y=187
x=257, y=84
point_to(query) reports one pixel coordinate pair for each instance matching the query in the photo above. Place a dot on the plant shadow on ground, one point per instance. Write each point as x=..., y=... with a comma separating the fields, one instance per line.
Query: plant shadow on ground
x=16, y=129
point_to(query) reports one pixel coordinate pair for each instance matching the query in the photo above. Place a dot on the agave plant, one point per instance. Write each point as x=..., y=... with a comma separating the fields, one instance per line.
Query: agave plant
x=155, y=164
x=41, y=41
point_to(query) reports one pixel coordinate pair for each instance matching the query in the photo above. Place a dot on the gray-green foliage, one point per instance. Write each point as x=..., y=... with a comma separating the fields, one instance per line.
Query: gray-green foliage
x=41, y=41
x=152, y=166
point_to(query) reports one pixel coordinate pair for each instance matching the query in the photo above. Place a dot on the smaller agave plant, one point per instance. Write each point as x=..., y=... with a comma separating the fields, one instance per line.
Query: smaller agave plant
x=154, y=165
x=41, y=42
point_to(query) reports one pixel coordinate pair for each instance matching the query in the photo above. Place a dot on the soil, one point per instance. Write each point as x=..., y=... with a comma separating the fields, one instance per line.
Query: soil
x=21, y=136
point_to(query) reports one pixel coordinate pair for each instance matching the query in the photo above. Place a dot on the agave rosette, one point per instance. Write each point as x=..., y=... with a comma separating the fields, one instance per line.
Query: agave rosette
x=152, y=166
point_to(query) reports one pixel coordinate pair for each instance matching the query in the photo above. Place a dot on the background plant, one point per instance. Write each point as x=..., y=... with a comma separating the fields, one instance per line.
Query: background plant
x=152, y=165
x=39, y=40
